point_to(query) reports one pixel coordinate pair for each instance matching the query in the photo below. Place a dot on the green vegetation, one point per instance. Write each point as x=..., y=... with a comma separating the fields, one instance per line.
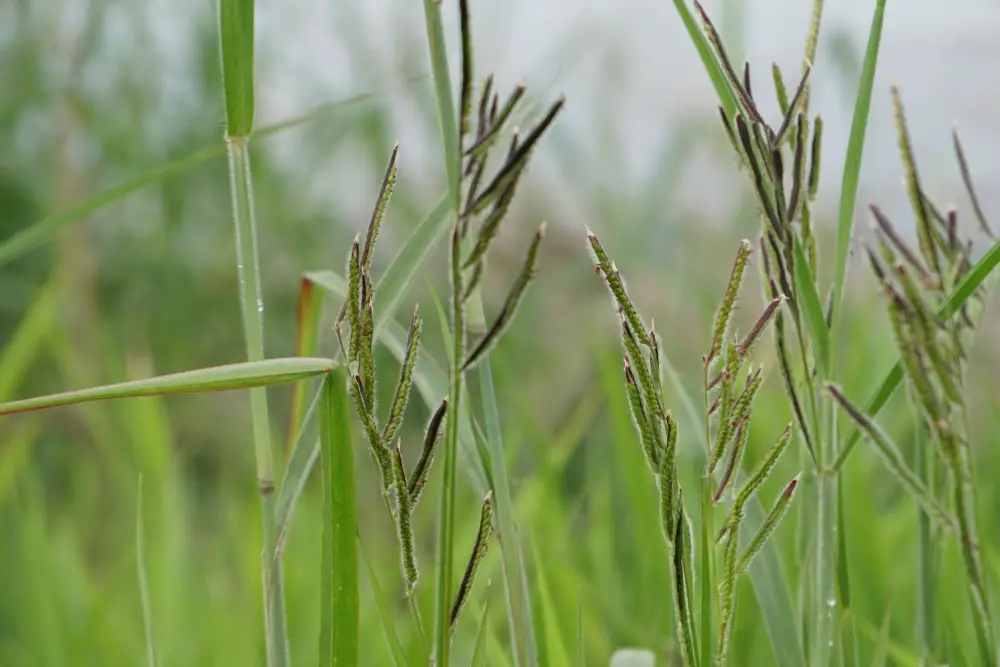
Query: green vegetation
x=819, y=494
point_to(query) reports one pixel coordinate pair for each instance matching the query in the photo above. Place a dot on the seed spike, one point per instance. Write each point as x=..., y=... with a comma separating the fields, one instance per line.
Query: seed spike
x=969, y=187
x=617, y=286
x=724, y=316
x=418, y=478
x=513, y=300
x=478, y=552
x=794, y=106
x=403, y=526
x=779, y=89
x=403, y=387
x=384, y=193
x=924, y=230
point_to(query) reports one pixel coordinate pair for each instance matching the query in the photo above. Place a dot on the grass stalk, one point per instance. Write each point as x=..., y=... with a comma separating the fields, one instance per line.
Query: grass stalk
x=252, y=309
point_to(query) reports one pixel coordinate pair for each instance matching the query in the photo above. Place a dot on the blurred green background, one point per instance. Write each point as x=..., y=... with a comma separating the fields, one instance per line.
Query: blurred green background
x=96, y=93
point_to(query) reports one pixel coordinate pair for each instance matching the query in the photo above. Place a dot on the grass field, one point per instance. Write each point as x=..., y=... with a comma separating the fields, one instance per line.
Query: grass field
x=256, y=510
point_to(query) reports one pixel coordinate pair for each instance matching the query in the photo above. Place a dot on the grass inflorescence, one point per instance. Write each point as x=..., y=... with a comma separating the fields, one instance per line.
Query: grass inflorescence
x=731, y=383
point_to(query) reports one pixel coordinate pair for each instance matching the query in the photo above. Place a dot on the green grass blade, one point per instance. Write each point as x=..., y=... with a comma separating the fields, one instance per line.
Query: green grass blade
x=979, y=273
x=236, y=42
x=805, y=286
x=46, y=229
x=852, y=162
x=219, y=378
x=445, y=100
x=384, y=615
x=339, y=615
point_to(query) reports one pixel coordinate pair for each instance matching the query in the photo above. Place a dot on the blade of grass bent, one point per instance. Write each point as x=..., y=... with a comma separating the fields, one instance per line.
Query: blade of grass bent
x=979, y=273
x=246, y=375
x=852, y=161
x=339, y=615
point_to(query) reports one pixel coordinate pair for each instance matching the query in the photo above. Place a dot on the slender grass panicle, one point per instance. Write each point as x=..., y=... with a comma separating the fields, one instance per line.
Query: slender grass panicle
x=658, y=434
x=929, y=334
x=467, y=152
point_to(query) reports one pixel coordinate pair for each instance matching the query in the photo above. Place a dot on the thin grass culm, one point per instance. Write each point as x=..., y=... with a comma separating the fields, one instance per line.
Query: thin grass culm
x=730, y=384
x=479, y=205
x=236, y=38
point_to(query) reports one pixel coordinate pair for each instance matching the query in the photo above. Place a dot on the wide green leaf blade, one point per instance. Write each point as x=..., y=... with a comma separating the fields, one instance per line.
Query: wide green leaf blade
x=339, y=605
x=218, y=378
x=236, y=41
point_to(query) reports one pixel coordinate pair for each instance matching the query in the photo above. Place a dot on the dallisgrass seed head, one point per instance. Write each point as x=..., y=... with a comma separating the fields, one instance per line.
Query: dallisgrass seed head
x=735, y=457
x=418, y=478
x=815, y=159
x=724, y=316
x=775, y=516
x=640, y=418
x=798, y=168
x=963, y=166
x=366, y=355
x=375, y=224
x=354, y=300
x=378, y=449
x=405, y=384
x=478, y=552
x=779, y=89
x=764, y=469
x=617, y=286
x=513, y=300
x=742, y=96
x=403, y=526
x=924, y=230
x=794, y=107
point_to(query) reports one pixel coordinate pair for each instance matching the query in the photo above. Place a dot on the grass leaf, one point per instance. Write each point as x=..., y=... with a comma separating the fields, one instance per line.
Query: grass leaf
x=852, y=162
x=236, y=40
x=219, y=378
x=339, y=611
